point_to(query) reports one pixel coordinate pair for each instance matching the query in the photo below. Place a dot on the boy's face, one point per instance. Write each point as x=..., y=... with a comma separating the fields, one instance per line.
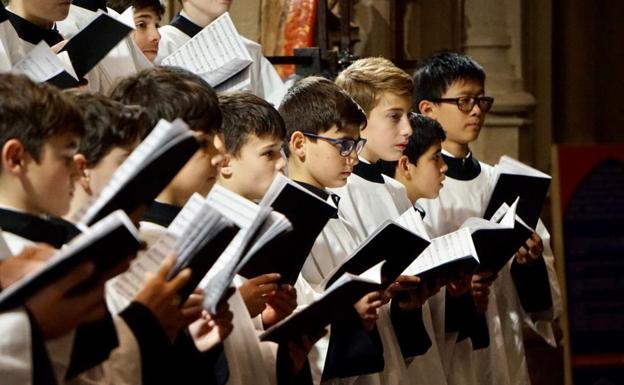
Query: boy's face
x=460, y=127
x=252, y=171
x=323, y=160
x=427, y=175
x=146, y=35
x=106, y=167
x=49, y=183
x=388, y=128
x=210, y=8
x=200, y=172
x=42, y=11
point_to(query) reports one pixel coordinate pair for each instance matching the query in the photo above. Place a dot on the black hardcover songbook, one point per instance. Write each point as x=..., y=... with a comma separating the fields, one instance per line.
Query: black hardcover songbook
x=286, y=253
x=391, y=244
x=106, y=243
x=516, y=179
x=336, y=302
x=146, y=172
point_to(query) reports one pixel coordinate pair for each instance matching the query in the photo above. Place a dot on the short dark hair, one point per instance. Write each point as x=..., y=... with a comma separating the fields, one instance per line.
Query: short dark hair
x=438, y=72
x=315, y=104
x=245, y=114
x=426, y=133
x=121, y=5
x=32, y=113
x=108, y=124
x=170, y=93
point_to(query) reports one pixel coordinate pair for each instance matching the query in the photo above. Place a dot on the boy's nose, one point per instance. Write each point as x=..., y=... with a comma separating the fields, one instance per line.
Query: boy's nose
x=280, y=164
x=406, y=128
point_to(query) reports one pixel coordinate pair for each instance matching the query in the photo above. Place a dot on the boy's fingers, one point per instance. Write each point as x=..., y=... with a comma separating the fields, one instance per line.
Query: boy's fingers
x=180, y=280
x=265, y=278
x=75, y=277
x=166, y=265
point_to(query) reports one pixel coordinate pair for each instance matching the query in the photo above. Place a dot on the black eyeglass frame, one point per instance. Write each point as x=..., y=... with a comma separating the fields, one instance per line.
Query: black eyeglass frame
x=472, y=101
x=344, y=151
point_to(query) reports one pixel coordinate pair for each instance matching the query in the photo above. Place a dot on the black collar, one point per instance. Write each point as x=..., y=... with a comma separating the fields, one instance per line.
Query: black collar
x=462, y=168
x=420, y=210
x=55, y=232
x=3, y=13
x=372, y=172
x=91, y=5
x=185, y=25
x=321, y=193
x=34, y=34
x=160, y=213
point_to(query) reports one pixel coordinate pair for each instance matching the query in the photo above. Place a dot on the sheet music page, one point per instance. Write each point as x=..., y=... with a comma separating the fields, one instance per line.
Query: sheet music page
x=444, y=249
x=216, y=53
x=41, y=64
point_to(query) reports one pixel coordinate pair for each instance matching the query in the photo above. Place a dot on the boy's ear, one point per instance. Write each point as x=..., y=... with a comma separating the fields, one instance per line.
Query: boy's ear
x=403, y=167
x=425, y=107
x=83, y=173
x=13, y=156
x=297, y=144
x=226, y=166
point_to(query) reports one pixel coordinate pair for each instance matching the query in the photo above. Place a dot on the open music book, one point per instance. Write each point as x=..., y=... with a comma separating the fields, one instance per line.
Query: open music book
x=217, y=54
x=105, y=243
x=335, y=301
x=392, y=244
x=286, y=253
x=516, y=179
x=145, y=173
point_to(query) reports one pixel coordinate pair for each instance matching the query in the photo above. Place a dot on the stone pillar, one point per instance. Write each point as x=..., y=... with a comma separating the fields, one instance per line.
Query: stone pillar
x=493, y=38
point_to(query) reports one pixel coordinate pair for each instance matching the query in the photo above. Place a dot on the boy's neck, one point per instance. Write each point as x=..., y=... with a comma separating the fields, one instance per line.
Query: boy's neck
x=19, y=9
x=369, y=156
x=172, y=198
x=196, y=16
x=298, y=172
x=16, y=201
x=458, y=150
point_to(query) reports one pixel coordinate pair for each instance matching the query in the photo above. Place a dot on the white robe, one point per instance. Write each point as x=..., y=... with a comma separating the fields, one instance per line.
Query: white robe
x=11, y=51
x=265, y=82
x=366, y=205
x=122, y=367
x=504, y=361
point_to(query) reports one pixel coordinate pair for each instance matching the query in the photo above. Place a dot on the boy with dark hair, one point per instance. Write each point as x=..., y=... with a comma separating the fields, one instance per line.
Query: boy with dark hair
x=39, y=136
x=254, y=132
x=370, y=198
x=146, y=15
x=450, y=88
x=421, y=167
x=196, y=15
x=323, y=125
x=112, y=132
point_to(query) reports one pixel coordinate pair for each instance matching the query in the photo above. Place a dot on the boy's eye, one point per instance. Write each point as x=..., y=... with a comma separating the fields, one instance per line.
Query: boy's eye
x=140, y=24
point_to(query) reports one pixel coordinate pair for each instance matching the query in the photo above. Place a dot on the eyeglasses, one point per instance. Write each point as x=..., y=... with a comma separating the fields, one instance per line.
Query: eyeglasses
x=467, y=103
x=346, y=146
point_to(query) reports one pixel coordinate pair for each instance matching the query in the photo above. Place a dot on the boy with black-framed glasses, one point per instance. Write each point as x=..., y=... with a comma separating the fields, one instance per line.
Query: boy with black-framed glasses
x=323, y=129
x=450, y=88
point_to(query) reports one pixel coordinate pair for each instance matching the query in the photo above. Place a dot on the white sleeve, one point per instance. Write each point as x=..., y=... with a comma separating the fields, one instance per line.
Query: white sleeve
x=15, y=348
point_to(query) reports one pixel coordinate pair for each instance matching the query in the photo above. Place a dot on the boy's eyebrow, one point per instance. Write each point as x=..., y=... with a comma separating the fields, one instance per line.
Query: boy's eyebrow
x=395, y=109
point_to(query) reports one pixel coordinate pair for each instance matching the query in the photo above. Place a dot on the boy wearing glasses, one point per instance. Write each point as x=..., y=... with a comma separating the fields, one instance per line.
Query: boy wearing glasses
x=449, y=88
x=323, y=128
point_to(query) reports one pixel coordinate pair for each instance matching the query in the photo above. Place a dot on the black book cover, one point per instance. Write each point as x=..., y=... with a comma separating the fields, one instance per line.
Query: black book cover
x=106, y=251
x=201, y=261
x=496, y=247
x=63, y=81
x=316, y=316
x=450, y=269
x=531, y=190
x=286, y=253
x=89, y=46
x=392, y=243
x=152, y=178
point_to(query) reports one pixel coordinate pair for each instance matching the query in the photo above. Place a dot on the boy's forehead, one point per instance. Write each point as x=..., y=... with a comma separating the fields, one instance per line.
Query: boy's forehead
x=467, y=86
x=388, y=100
